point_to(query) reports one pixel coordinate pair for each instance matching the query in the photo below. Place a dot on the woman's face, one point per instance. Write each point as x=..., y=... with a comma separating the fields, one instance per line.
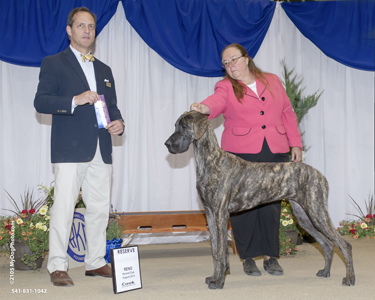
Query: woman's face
x=239, y=69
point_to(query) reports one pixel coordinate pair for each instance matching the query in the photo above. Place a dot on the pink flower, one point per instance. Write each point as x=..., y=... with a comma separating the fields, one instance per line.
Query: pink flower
x=24, y=212
x=355, y=236
x=352, y=231
x=31, y=211
x=368, y=216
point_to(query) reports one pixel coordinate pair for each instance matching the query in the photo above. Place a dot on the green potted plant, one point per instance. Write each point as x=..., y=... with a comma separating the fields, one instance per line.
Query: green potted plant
x=26, y=232
x=301, y=104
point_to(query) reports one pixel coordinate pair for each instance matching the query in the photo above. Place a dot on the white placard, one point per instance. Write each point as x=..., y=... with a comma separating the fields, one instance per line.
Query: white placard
x=126, y=271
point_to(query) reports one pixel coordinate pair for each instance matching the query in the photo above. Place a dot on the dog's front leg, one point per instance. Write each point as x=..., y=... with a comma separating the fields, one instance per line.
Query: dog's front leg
x=220, y=257
x=213, y=236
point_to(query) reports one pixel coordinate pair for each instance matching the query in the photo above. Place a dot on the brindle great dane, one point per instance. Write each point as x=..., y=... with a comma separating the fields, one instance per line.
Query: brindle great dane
x=228, y=184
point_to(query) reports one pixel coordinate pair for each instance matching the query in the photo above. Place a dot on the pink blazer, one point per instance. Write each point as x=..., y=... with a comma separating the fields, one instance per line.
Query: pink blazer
x=270, y=116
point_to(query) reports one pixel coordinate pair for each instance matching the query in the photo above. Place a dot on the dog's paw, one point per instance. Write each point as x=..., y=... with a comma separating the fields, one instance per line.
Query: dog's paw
x=323, y=273
x=213, y=286
x=348, y=281
x=208, y=280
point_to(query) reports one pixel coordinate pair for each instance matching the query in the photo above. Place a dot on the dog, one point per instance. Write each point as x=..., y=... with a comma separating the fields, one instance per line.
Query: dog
x=228, y=184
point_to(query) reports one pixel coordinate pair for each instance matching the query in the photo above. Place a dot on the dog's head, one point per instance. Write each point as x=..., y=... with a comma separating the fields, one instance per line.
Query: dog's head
x=189, y=127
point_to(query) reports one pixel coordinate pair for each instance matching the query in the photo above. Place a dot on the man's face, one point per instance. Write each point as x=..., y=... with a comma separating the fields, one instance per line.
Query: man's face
x=82, y=32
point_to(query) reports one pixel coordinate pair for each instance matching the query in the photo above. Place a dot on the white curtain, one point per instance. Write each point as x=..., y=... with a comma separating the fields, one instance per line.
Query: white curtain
x=152, y=95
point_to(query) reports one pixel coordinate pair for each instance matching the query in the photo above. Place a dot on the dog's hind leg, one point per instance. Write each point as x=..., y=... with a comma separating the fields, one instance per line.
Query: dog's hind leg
x=346, y=250
x=325, y=226
x=327, y=246
x=329, y=230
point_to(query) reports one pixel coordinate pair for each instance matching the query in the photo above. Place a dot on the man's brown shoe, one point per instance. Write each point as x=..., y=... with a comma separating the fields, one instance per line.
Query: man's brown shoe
x=61, y=278
x=104, y=271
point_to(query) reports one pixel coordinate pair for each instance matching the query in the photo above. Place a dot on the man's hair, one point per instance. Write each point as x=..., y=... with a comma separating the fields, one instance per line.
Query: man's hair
x=77, y=10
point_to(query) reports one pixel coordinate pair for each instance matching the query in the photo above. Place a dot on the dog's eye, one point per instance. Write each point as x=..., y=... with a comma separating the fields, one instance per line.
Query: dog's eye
x=183, y=126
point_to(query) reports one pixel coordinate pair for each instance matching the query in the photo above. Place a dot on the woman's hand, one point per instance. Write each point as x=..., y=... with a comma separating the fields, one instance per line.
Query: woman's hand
x=296, y=154
x=203, y=109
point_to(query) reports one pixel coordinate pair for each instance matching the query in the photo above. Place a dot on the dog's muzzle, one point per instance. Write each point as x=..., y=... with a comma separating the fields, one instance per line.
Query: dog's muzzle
x=168, y=144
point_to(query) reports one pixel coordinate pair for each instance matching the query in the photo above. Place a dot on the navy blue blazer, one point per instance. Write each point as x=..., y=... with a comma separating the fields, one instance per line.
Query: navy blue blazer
x=74, y=136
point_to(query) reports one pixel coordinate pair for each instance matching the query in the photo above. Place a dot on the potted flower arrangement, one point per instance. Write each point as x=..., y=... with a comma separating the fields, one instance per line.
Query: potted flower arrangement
x=364, y=226
x=290, y=231
x=26, y=231
x=286, y=247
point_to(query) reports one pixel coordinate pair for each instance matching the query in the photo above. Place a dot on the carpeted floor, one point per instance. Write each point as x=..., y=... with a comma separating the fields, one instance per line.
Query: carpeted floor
x=177, y=271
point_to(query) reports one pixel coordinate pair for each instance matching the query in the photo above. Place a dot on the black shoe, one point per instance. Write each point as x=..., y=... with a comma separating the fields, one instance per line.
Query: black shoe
x=273, y=267
x=250, y=268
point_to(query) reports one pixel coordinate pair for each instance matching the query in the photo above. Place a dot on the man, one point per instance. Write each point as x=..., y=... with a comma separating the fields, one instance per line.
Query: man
x=69, y=86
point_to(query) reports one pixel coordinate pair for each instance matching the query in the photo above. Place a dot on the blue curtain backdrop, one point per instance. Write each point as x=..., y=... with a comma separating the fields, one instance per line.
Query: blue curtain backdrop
x=191, y=34
x=343, y=30
x=33, y=29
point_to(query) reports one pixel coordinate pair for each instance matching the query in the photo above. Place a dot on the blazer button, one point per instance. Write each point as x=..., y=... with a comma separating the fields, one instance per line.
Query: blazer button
x=263, y=98
x=262, y=112
x=96, y=125
x=264, y=126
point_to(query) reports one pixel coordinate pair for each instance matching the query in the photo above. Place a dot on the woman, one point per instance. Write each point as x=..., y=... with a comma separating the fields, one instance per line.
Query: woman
x=260, y=125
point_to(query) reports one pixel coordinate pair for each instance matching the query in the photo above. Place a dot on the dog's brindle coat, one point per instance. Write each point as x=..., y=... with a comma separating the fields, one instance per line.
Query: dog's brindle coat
x=227, y=184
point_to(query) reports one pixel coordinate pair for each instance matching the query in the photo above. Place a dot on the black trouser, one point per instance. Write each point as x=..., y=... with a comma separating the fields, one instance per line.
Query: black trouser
x=256, y=231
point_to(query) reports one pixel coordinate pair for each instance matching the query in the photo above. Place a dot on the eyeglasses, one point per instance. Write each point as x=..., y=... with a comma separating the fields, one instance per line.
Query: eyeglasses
x=233, y=61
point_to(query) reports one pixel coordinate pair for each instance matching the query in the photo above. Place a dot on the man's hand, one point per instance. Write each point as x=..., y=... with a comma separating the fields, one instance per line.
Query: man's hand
x=86, y=97
x=115, y=127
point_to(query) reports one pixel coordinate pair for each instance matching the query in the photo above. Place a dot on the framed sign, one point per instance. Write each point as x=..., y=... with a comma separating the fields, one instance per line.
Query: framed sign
x=126, y=271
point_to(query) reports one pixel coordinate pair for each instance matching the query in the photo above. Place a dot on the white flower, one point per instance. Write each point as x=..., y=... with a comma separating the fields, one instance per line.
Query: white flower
x=47, y=217
x=43, y=210
x=39, y=225
x=364, y=225
x=44, y=227
x=31, y=224
x=19, y=221
x=285, y=223
x=290, y=221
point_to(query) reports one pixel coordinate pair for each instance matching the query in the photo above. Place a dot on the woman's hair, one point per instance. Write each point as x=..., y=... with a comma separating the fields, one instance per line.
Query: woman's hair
x=238, y=87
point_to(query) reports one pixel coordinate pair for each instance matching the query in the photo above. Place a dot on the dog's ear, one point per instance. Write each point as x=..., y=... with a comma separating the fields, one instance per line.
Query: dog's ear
x=200, y=124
